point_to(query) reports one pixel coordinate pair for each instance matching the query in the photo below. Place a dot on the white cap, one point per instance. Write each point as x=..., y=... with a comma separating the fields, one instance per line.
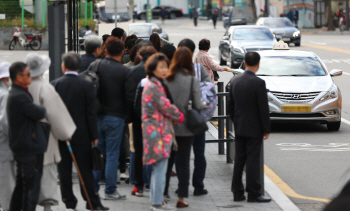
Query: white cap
x=4, y=70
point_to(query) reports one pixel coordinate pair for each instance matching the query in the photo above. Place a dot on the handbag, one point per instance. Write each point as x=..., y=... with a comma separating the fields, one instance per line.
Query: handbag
x=46, y=128
x=195, y=121
x=97, y=159
x=216, y=76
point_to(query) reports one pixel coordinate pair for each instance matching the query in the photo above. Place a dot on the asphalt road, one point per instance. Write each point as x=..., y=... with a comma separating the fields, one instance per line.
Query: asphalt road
x=313, y=169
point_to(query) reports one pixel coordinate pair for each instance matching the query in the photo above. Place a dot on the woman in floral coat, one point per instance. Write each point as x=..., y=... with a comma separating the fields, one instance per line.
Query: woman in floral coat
x=158, y=115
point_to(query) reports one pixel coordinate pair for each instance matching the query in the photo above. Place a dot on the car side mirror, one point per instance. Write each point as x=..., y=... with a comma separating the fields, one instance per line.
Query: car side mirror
x=226, y=38
x=238, y=71
x=336, y=72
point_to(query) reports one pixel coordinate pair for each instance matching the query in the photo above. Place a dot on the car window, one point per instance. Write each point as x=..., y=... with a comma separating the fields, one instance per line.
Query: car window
x=276, y=23
x=290, y=66
x=252, y=34
x=139, y=30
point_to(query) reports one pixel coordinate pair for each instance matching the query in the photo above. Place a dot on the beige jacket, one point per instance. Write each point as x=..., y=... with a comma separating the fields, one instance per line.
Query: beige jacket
x=62, y=124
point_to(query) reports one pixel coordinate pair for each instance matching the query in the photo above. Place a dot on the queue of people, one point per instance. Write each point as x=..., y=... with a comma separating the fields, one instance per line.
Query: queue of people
x=140, y=105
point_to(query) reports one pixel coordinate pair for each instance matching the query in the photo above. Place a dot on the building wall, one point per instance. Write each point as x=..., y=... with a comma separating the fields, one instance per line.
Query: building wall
x=306, y=12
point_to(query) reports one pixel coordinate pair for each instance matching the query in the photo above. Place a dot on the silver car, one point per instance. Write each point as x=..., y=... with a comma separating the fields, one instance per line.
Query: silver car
x=300, y=88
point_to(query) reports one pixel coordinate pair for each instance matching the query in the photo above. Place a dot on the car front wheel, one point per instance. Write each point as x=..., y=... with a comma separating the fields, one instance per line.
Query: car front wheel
x=222, y=61
x=333, y=126
x=143, y=17
x=172, y=16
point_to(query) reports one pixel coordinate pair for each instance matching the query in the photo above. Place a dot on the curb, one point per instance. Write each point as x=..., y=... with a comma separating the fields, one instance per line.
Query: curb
x=271, y=188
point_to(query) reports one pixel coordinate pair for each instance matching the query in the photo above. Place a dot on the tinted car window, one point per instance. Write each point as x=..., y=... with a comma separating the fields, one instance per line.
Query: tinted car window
x=125, y=16
x=290, y=66
x=252, y=34
x=139, y=30
x=276, y=23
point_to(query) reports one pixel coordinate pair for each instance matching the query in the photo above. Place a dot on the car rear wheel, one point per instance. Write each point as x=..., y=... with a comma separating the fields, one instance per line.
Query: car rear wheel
x=143, y=17
x=333, y=126
x=172, y=15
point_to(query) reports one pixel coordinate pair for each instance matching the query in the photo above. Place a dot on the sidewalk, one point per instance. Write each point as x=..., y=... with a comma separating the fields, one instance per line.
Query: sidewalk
x=217, y=182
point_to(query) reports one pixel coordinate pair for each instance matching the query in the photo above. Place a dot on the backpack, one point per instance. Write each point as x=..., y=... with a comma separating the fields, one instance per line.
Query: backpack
x=91, y=75
x=208, y=93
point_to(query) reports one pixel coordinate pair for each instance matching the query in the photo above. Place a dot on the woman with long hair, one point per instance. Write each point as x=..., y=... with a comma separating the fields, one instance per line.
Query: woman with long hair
x=155, y=40
x=179, y=80
x=158, y=134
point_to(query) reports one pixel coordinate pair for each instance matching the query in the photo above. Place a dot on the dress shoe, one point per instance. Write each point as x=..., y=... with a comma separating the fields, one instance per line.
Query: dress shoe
x=239, y=198
x=181, y=205
x=200, y=192
x=259, y=199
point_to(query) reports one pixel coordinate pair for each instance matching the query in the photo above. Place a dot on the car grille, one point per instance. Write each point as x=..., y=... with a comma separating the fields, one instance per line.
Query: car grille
x=257, y=49
x=301, y=97
x=296, y=115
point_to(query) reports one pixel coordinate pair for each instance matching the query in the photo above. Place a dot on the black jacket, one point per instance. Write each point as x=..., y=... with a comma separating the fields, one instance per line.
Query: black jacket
x=25, y=135
x=113, y=75
x=136, y=74
x=86, y=60
x=248, y=105
x=79, y=97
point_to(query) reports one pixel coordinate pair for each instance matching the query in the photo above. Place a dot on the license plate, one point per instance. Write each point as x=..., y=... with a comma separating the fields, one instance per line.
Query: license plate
x=296, y=108
x=286, y=39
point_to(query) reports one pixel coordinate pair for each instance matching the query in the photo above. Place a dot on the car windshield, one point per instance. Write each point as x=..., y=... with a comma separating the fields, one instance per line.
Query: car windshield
x=290, y=66
x=277, y=23
x=252, y=34
x=125, y=16
x=140, y=30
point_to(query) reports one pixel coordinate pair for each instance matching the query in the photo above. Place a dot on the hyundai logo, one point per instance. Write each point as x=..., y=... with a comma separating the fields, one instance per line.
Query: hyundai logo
x=296, y=97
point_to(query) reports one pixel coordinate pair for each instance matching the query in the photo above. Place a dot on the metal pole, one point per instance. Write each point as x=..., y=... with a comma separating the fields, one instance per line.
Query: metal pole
x=147, y=11
x=74, y=26
x=92, y=10
x=115, y=13
x=347, y=15
x=261, y=169
x=22, y=14
x=221, y=125
x=267, y=6
x=86, y=12
x=69, y=25
x=44, y=19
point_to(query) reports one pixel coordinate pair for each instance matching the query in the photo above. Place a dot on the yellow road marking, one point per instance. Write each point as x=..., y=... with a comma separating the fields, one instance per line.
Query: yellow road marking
x=286, y=189
x=326, y=48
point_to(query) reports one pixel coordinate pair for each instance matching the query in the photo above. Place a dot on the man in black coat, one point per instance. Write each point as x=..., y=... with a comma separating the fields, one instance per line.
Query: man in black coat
x=249, y=111
x=79, y=98
x=145, y=50
x=92, y=45
x=26, y=138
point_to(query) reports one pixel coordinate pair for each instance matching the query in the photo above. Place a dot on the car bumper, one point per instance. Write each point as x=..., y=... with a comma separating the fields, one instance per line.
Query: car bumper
x=291, y=39
x=317, y=114
x=237, y=58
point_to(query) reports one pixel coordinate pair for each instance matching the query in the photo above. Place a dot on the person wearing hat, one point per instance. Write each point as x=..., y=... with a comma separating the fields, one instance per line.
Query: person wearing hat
x=62, y=126
x=7, y=163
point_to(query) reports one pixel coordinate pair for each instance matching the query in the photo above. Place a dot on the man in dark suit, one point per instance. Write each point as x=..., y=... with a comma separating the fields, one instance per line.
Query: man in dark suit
x=249, y=111
x=92, y=45
x=79, y=97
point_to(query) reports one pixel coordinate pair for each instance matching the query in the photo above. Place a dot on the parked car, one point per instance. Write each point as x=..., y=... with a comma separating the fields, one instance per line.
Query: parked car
x=283, y=29
x=144, y=31
x=172, y=12
x=105, y=17
x=238, y=40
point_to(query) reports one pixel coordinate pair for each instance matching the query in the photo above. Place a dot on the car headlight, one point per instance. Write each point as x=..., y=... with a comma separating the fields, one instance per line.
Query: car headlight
x=238, y=49
x=296, y=34
x=332, y=93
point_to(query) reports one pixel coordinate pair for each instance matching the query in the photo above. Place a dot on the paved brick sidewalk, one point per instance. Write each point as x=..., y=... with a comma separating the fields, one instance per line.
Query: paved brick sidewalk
x=217, y=182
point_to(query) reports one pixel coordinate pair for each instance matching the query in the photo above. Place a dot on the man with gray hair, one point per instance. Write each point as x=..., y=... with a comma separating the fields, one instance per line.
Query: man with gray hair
x=92, y=45
x=79, y=97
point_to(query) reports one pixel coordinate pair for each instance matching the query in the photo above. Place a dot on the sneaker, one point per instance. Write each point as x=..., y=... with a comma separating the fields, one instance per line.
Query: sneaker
x=123, y=176
x=99, y=208
x=164, y=207
x=69, y=209
x=137, y=192
x=114, y=196
x=147, y=189
x=200, y=192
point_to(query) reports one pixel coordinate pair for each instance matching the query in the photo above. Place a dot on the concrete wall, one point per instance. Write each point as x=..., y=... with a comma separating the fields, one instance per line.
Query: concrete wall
x=6, y=37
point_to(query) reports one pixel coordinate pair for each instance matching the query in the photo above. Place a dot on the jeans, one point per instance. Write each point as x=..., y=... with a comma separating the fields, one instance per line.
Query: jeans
x=122, y=154
x=200, y=164
x=26, y=193
x=147, y=172
x=158, y=181
x=182, y=161
x=110, y=135
x=131, y=169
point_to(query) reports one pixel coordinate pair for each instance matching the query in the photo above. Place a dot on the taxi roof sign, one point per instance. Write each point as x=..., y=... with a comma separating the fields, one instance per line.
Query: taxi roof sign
x=281, y=46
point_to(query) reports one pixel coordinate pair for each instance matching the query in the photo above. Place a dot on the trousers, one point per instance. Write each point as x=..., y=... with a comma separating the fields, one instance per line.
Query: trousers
x=247, y=153
x=7, y=182
x=26, y=193
x=138, y=145
x=200, y=164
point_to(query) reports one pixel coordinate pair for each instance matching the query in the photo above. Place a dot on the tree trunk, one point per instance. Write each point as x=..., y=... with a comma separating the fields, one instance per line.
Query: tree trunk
x=253, y=8
x=330, y=24
x=131, y=7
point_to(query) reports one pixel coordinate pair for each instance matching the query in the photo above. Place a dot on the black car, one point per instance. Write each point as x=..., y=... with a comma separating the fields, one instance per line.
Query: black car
x=171, y=12
x=144, y=31
x=282, y=28
x=233, y=16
